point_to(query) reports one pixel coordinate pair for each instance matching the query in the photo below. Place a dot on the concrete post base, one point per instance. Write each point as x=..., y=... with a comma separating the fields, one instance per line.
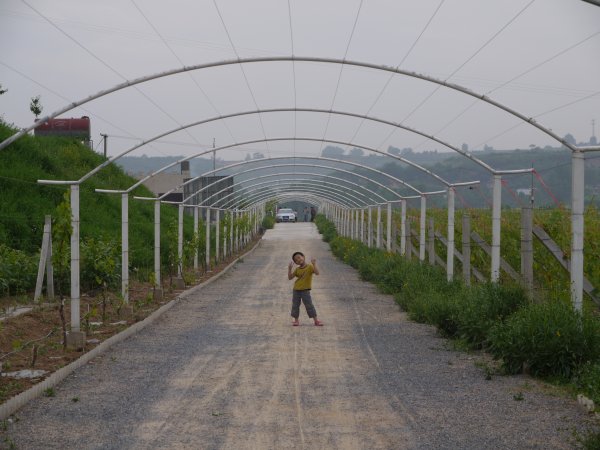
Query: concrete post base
x=178, y=283
x=76, y=340
x=158, y=294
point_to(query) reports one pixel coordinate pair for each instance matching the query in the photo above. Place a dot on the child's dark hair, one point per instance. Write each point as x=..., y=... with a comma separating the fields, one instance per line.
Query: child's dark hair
x=297, y=253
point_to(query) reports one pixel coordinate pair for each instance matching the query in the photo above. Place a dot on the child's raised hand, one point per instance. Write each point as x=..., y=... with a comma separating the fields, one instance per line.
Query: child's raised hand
x=291, y=265
x=313, y=261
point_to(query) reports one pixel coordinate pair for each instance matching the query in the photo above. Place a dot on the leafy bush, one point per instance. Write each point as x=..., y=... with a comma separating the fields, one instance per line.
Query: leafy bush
x=18, y=271
x=588, y=380
x=550, y=338
x=482, y=306
x=268, y=222
x=325, y=227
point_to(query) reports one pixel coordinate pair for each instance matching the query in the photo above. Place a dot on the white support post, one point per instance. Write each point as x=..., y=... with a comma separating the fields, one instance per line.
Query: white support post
x=357, y=225
x=362, y=225
x=180, y=243
x=157, y=282
x=231, y=236
x=422, y=227
x=403, y=228
x=224, y=241
x=389, y=227
x=50, y=268
x=378, y=226
x=207, y=248
x=43, y=264
x=125, y=247
x=369, y=228
x=75, y=286
x=450, y=248
x=496, y=213
x=196, y=220
x=217, y=235
x=577, y=210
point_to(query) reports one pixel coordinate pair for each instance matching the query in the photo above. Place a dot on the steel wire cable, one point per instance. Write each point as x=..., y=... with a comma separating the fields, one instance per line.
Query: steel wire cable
x=243, y=73
x=294, y=79
x=470, y=58
x=557, y=108
x=164, y=41
x=516, y=77
x=52, y=91
x=337, y=86
x=104, y=63
x=383, y=89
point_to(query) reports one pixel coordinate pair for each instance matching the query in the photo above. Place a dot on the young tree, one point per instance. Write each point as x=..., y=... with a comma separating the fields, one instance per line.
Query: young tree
x=35, y=106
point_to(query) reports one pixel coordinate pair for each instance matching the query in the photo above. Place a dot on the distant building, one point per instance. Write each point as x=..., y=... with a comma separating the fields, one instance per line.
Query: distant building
x=208, y=196
x=75, y=128
x=164, y=182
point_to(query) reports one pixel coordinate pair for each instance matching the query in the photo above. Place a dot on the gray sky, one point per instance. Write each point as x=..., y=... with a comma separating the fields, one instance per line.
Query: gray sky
x=547, y=50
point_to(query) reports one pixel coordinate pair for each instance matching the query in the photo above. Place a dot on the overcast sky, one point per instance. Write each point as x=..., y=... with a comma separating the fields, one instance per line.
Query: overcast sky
x=541, y=58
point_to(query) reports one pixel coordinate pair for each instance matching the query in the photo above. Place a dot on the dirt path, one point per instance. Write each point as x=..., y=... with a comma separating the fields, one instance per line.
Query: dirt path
x=225, y=369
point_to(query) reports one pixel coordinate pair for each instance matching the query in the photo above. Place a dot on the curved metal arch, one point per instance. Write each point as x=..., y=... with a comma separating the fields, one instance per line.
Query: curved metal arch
x=326, y=194
x=255, y=141
x=271, y=166
x=320, y=158
x=299, y=181
x=309, y=198
x=347, y=62
x=297, y=194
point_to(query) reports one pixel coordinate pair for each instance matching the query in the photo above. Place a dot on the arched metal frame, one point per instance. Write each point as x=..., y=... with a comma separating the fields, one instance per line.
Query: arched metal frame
x=262, y=160
x=577, y=154
x=385, y=188
x=304, y=182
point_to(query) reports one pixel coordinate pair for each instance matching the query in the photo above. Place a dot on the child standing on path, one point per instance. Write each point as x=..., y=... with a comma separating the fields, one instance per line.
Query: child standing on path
x=302, y=287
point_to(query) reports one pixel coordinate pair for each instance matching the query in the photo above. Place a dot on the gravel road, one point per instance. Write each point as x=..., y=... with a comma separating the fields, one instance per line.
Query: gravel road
x=224, y=369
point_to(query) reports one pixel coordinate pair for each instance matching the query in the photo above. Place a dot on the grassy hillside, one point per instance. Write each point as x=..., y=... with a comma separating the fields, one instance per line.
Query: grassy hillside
x=24, y=202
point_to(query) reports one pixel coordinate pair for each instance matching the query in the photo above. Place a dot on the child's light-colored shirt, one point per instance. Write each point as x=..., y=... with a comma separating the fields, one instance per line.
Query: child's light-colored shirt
x=304, y=277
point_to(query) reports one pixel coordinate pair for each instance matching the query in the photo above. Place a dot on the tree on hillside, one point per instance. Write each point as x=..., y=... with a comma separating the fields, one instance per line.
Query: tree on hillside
x=333, y=152
x=357, y=153
x=570, y=139
x=35, y=106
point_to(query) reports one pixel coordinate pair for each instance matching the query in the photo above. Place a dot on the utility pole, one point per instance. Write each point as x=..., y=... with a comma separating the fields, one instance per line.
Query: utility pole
x=104, y=138
x=593, y=127
x=214, y=157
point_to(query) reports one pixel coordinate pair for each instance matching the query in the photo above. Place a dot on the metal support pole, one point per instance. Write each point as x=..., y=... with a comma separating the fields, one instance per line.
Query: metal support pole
x=527, y=247
x=389, y=227
x=125, y=247
x=422, y=235
x=75, y=324
x=450, y=248
x=231, y=231
x=496, y=213
x=362, y=226
x=431, y=242
x=207, y=248
x=577, y=210
x=403, y=228
x=217, y=235
x=466, y=248
x=157, y=282
x=370, y=228
x=378, y=226
x=357, y=225
x=196, y=213
x=180, y=243
x=224, y=241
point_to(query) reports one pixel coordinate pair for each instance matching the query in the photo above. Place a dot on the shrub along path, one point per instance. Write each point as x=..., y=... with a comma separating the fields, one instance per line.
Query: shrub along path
x=224, y=369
